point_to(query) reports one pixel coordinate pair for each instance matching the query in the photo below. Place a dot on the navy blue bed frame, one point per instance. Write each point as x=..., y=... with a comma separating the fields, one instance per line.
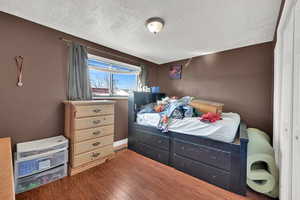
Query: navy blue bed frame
x=219, y=163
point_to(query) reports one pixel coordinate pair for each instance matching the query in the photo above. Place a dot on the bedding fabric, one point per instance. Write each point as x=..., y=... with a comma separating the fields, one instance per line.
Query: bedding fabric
x=223, y=130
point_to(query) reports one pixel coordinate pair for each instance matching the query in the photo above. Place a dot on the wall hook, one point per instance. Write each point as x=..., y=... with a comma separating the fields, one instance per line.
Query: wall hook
x=188, y=62
x=19, y=62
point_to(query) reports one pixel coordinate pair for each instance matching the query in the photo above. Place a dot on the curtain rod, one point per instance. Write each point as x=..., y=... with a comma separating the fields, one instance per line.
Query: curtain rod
x=101, y=51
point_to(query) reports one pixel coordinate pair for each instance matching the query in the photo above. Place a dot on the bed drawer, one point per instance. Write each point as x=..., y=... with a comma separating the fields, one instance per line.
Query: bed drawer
x=92, y=144
x=153, y=153
x=154, y=140
x=93, y=110
x=208, y=155
x=92, y=122
x=92, y=133
x=207, y=173
x=92, y=155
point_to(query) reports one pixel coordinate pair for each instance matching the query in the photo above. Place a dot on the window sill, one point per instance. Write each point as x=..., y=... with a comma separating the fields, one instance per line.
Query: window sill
x=109, y=98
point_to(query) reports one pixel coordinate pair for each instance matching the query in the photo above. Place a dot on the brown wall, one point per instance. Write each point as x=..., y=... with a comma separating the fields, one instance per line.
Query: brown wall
x=35, y=111
x=241, y=79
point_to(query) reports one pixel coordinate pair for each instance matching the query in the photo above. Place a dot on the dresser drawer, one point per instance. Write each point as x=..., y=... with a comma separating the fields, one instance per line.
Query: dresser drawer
x=208, y=155
x=92, y=155
x=92, y=122
x=153, y=153
x=158, y=141
x=205, y=172
x=92, y=133
x=92, y=144
x=93, y=110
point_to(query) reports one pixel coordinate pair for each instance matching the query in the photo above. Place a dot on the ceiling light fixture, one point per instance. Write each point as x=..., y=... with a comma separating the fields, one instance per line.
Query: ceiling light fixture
x=155, y=24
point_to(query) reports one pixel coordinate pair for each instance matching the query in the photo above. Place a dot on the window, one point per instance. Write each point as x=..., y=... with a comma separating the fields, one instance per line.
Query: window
x=111, y=78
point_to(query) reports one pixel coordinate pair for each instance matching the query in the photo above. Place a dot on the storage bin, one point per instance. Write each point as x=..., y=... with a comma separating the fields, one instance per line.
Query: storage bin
x=36, y=147
x=35, y=164
x=155, y=89
x=36, y=180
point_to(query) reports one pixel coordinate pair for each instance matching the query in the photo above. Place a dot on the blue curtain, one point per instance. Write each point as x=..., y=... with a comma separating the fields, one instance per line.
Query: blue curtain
x=78, y=74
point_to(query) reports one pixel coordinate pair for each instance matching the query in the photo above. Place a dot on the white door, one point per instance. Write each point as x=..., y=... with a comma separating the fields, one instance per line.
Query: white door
x=286, y=138
x=296, y=108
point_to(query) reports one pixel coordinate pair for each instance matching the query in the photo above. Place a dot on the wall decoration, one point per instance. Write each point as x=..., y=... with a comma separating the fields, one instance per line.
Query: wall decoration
x=19, y=62
x=175, y=72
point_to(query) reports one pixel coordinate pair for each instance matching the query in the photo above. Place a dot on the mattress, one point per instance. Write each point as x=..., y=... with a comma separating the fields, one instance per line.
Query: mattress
x=223, y=130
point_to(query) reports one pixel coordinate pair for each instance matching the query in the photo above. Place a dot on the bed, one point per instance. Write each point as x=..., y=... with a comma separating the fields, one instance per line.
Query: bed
x=216, y=154
x=224, y=130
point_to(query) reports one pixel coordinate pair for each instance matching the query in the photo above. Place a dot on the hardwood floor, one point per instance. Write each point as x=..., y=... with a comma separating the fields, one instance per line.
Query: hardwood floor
x=130, y=176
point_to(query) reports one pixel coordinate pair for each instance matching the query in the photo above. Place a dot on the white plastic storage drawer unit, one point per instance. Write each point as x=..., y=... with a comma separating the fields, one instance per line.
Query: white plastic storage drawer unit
x=36, y=180
x=38, y=147
x=38, y=163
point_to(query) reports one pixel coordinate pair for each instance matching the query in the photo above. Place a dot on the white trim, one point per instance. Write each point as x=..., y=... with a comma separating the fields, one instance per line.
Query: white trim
x=111, y=97
x=113, y=71
x=286, y=101
x=295, y=143
x=113, y=62
x=120, y=142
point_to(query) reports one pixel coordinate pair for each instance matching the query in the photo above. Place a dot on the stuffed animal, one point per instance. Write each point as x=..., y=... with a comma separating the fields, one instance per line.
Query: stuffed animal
x=210, y=117
x=159, y=108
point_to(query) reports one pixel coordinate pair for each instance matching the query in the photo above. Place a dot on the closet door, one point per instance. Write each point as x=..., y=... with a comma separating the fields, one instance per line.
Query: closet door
x=296, y=108
x=286, y=101
x=283, y=106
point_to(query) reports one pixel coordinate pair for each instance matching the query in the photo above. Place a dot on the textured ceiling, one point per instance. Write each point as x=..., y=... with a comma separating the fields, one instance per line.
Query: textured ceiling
x=193, y=27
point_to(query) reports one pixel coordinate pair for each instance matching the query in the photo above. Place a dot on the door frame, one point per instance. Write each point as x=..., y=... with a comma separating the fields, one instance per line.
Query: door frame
x=287, y=100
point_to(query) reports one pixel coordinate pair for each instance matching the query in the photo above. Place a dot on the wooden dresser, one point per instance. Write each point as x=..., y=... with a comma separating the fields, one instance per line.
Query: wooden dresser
x=7, y=190
x=89, y=125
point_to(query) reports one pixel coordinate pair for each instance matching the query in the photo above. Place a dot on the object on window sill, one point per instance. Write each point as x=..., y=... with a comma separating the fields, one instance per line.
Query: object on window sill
x=19, y=63
x=143, y=89
x=110, y=97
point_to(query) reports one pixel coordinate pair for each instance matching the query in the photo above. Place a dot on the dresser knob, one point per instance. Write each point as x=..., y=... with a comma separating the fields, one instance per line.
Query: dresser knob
x=97, y=110
x=96, y=143
x=96, y=121
x=96, y=132
x=95, y=155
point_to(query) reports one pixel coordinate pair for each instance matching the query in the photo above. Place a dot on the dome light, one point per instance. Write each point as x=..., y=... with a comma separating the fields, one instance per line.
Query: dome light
x=155, y=24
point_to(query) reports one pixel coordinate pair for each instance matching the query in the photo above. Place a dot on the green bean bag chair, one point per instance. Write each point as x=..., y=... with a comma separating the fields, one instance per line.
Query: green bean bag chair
x=262, y=173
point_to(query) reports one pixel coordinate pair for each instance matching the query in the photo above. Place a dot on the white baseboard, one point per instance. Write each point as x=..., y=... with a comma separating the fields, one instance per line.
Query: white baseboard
x=120, y=144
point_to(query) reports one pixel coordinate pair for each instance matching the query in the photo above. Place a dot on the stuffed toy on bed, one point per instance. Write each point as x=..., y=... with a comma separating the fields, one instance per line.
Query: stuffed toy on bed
x=210, y=117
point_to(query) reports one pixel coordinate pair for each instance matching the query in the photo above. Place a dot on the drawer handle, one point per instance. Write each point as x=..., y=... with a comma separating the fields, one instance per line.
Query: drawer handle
x=96, y=143
x=97, y=110
x=96, y=132
x=96, y=121
x=96, y=155
x=214, y=176
x=213, y=157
